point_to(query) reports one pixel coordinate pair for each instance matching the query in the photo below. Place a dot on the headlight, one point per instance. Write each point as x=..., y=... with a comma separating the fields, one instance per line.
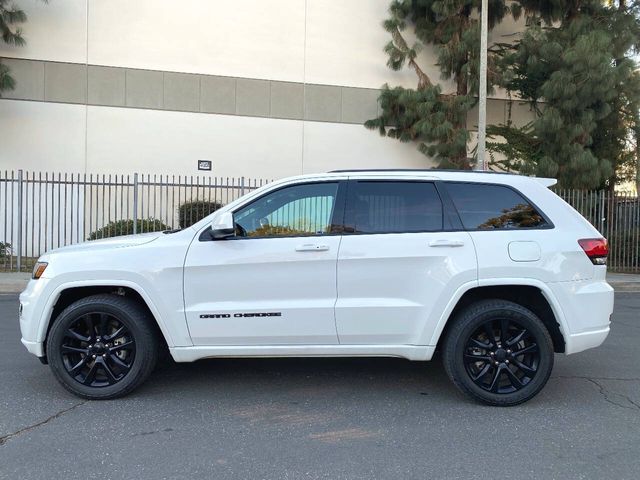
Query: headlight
x=39, y=269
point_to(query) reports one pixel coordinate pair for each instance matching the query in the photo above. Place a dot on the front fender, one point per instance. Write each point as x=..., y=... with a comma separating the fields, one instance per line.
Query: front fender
x=174, y=332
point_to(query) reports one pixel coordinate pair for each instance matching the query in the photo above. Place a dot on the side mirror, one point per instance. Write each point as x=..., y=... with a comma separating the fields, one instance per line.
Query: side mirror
x=223, y=226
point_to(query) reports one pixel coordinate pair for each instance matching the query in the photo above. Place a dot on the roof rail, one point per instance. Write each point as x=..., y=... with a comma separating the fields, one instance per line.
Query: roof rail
x=355, y=170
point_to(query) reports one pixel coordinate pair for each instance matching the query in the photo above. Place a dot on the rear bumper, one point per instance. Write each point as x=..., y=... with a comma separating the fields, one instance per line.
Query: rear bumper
x=586, y=306
x=586, y=340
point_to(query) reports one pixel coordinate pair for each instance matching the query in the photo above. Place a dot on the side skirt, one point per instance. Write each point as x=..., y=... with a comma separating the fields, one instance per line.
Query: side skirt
x=410, y=352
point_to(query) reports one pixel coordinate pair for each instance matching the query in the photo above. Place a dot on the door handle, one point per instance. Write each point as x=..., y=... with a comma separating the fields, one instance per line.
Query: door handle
x=446, y=243
x=312, y=247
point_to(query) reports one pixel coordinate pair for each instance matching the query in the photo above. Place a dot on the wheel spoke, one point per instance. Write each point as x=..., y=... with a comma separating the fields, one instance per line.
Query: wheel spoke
x=482, y=372
x=88, y=321
x=529, y=349
x=121, y=346
x=488, y=330
x=123, y=366
x=73, y=334
x=495, y=383
x=515, y=381
x=102, y=326
x=78, y=367
x=525, y=368
x=70, y=349
x=479, y=344
x=118, y=333
x=470, y=358
x=111, y=378
x=91, y=374
x=504, y=328
x=517, y=338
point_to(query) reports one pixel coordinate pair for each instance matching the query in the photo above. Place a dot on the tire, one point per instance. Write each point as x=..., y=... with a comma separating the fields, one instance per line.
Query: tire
x=102, y=347
x=508, y=370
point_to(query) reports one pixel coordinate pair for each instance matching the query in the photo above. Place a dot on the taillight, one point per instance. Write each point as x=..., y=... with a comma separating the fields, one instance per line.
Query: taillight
x=596, y=249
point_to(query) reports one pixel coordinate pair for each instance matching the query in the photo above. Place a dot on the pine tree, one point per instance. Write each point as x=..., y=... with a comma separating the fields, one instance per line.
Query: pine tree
x=426, y=115
x=576, y=71
x=10, y=18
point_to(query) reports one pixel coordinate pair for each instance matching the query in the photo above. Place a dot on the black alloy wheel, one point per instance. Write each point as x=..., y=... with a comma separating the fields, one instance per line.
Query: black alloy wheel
x=103, y=346
x=498, y=352
x=501, y=356
x=98, y=350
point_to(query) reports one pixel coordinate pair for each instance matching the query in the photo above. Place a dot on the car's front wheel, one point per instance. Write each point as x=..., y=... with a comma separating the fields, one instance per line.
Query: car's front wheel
x=498, y=352
x=102, y=346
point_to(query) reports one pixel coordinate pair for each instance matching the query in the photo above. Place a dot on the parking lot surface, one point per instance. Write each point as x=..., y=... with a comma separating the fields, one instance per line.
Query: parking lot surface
x=324, y=418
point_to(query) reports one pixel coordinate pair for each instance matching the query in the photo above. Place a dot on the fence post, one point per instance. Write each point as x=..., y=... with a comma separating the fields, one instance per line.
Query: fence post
x=241, y=186
x=135, y=203
x=602, y=214
x=19, y=249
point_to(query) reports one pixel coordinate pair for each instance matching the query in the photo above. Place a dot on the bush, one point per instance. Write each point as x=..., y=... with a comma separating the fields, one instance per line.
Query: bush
x=192, y=212
x=125, y=227
x=5, y=249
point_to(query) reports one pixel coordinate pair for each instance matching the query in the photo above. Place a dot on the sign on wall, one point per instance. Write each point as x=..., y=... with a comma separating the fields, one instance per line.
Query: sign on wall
x=204, y=165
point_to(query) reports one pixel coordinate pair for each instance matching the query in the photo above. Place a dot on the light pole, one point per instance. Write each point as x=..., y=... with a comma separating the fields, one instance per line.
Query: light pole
x=482, y=103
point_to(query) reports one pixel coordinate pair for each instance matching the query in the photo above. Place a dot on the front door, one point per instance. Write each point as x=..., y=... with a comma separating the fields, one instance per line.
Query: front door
x=274, y=282
x=400, y=262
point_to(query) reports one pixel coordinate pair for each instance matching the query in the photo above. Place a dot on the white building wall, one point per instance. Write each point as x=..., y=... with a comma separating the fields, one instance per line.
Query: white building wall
x=326, y=42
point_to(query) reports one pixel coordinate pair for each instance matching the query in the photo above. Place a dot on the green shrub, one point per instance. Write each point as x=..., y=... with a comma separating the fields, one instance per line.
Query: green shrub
x=125, y=227
x=192, y=212
x=5, y=249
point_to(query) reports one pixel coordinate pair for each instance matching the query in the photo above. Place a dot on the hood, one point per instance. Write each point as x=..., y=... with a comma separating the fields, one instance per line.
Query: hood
x=111, y=243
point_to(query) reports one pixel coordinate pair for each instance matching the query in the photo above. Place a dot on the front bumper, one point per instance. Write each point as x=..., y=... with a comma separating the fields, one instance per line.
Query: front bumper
x=32, y=306
x=37, y=348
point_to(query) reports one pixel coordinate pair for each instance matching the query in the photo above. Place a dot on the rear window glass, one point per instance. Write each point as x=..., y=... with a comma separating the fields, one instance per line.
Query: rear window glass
x=396, y=207
x=493, y=207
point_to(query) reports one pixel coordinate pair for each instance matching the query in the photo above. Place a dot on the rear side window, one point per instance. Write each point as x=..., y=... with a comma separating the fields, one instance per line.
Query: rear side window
x=493, y=207
x=395, y=207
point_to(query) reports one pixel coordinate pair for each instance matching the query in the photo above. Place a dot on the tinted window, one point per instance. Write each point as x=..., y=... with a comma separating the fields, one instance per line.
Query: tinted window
x=489, y=207
x=292, y=211
x=386, y=207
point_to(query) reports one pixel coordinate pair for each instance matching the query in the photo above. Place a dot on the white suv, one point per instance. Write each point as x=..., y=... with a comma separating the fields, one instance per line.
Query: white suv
x=494, y=270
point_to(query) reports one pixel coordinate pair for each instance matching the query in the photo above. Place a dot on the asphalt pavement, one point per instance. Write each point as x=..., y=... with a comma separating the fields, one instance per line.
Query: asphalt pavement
x=324, y=418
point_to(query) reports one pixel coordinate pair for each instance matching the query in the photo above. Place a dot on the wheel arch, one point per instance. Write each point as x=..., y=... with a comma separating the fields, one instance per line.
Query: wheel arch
x=533, y=295
x=67, y=294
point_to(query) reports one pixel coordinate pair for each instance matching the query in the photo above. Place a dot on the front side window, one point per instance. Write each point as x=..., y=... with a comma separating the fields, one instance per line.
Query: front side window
x=493, y=207
x=299, y=210
x=395, y=207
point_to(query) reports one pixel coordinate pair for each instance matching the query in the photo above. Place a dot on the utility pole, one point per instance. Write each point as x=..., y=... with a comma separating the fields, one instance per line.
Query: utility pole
x=482, y=104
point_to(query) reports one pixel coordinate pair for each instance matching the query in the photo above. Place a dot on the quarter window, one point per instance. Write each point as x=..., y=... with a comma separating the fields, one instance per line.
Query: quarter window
x=299, y=210
x=493, y=207
x=395, y=207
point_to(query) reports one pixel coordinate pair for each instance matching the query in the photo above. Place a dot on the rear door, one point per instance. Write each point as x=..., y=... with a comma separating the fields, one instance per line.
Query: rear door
x=401, y=259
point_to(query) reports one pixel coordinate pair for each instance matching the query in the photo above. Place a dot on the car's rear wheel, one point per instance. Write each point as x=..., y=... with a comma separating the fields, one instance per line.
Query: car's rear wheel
x=498, y=352
x=102, y=346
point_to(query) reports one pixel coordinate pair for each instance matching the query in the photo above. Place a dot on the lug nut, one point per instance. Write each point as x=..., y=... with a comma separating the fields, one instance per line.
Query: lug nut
x=497, y=363
x=508, y=351
x=507, y=362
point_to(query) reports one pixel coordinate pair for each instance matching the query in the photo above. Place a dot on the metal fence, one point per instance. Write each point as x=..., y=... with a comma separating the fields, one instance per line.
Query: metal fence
x=617, y=216
x=42, y=211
